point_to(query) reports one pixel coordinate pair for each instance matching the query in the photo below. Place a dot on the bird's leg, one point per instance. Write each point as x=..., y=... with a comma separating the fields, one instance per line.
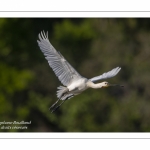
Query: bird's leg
x=53, y=104
x=57, y=106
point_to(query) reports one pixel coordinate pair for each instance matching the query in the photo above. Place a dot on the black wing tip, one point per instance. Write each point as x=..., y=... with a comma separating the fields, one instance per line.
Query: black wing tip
x=118, y=67
x=43, y=35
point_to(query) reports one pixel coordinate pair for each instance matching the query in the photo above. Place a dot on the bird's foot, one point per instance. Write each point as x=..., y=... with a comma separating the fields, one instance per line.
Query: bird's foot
x=55, y=107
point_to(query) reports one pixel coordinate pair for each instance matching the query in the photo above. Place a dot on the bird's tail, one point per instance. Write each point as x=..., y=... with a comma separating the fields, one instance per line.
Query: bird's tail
x=61, y=91
x=62, y=94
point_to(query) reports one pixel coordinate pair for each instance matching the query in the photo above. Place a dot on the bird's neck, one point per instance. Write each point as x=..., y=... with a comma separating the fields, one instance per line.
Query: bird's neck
x=93, y=85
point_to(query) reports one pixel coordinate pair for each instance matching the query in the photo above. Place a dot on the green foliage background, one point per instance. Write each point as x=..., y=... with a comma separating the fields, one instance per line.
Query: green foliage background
x=93, y=46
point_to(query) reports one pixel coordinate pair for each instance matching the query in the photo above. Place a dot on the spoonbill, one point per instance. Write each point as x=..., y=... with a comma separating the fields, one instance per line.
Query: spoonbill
x=73, y=82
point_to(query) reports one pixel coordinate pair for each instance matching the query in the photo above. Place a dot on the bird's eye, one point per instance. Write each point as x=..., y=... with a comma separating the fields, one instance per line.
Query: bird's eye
x=105, y=83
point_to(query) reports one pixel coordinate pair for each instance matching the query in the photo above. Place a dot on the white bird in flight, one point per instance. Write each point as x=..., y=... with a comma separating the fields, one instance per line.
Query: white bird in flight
x=73, y=82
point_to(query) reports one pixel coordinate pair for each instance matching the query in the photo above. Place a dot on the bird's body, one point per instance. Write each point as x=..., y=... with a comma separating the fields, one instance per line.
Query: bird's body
x=73, y=82
x=78, y=86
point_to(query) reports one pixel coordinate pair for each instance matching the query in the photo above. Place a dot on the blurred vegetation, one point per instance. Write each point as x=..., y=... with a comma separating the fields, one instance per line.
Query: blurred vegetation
x=93, y=46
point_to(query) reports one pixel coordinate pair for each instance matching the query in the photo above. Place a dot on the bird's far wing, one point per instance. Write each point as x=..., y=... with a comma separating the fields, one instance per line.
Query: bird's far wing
x=62, y=69
x=106, y=75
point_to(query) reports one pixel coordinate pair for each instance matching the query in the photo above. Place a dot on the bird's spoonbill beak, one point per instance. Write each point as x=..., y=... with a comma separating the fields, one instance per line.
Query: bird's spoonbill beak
x=115, y=85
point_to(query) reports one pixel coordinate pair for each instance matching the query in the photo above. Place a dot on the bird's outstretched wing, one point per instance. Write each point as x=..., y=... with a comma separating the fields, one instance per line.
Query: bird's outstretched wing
x=62, y=69
x=106, y=75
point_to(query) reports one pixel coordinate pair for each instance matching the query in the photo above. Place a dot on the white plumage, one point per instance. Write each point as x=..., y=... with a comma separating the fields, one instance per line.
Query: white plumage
x=73, y=82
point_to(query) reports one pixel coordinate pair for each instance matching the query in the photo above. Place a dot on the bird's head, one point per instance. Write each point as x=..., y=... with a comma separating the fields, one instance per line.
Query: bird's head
x=106, y=84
